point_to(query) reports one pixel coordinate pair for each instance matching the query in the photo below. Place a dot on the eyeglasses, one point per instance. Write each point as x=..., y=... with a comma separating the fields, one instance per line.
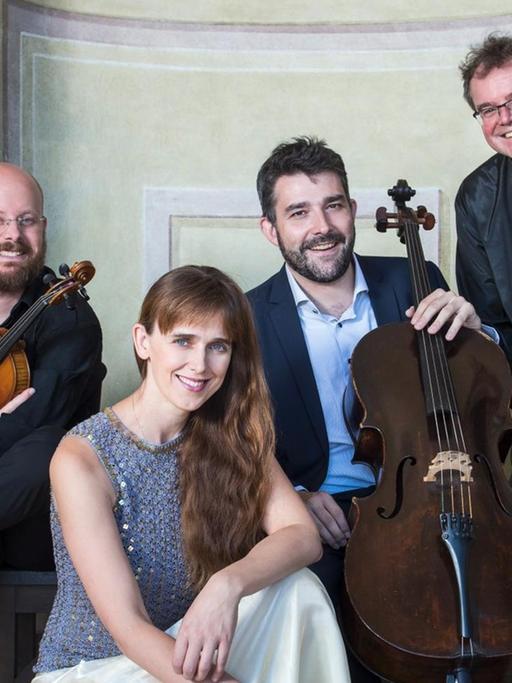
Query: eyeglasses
x=23, y=222
x=491, y=112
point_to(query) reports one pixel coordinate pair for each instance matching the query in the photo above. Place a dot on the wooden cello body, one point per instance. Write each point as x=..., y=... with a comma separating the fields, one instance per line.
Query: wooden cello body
x=428, y=569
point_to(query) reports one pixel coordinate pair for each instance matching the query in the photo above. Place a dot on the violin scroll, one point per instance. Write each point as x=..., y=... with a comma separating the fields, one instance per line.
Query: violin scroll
x=81, y=271
x=75, y=279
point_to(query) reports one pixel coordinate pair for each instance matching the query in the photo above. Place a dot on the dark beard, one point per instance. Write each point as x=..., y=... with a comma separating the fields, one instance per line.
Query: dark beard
x=298, y=260
x=19, y=276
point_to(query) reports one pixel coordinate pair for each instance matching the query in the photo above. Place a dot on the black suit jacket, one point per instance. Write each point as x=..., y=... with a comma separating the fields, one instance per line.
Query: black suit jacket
x=483, y=209
x=302, y=445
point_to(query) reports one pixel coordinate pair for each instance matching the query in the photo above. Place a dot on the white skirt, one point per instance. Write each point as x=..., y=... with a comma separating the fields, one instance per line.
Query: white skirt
x=286, y=633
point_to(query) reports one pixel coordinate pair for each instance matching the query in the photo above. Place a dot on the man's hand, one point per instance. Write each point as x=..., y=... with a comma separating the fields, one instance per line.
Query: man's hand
x=441, y=307
x=328, y=517
x=11, y=406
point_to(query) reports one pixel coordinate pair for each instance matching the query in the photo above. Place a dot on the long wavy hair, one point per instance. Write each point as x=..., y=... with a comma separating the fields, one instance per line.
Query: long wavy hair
x=224, y=459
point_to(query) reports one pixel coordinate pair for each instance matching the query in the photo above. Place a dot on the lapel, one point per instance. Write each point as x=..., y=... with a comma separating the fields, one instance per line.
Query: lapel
x=285, y=320
x=388, y=304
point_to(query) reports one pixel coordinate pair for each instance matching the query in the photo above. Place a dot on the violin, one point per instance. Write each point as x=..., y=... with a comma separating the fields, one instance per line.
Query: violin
x=14, y=367
x=428, y=568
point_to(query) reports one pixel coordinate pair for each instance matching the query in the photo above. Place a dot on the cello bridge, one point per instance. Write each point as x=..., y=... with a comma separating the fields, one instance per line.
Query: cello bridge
x=450, y=461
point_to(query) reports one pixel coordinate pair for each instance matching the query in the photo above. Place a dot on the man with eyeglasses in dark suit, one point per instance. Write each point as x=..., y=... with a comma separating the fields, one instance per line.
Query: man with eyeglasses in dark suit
x=484, y=202
x=63, y=348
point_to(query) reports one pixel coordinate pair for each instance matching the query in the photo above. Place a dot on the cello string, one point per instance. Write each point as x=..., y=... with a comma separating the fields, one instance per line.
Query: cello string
x=419, y=291
x=461, y=450
x=422, y=288
x=464, y=490
x=435, y=353
x=443, y=377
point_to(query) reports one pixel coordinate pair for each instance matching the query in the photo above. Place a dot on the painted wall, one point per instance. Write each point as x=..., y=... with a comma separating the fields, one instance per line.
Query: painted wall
x=147, y=133
x=286, y=11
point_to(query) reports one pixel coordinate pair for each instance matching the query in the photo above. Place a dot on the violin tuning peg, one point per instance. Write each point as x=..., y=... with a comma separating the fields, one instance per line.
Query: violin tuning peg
x=49, y=279
x=69, y=298
x=421, y=211
x=83, y=293
x=64, y=269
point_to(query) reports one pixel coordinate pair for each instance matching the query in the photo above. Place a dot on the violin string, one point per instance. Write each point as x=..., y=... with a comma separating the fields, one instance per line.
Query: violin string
x=13, y=334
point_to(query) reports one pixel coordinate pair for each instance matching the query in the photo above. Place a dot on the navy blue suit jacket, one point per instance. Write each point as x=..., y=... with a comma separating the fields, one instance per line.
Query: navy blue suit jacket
x=302, y=445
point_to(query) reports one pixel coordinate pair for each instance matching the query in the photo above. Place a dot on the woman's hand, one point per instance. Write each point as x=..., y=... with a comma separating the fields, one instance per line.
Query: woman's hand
x=207, y=629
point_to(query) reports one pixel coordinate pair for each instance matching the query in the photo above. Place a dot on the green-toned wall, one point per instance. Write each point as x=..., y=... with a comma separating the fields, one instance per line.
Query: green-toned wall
x=102, y=109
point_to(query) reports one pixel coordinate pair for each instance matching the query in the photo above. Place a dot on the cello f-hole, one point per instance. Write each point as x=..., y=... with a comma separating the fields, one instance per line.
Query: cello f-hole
x=399, y=495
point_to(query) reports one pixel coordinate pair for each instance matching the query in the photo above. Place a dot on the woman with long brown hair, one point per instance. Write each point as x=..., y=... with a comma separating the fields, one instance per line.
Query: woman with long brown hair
x=170, y=506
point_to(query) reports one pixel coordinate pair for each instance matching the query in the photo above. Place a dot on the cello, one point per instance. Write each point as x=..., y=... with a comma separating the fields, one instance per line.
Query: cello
x=14, y=367
x=428, y=568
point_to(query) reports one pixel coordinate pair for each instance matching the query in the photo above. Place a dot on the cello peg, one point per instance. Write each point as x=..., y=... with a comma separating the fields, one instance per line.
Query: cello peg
x=382, y=217
x=428, y=221
x=425, y=218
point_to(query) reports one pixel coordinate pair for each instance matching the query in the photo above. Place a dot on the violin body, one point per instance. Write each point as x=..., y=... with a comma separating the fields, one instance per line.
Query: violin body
x=14, y=372
x=401, y=606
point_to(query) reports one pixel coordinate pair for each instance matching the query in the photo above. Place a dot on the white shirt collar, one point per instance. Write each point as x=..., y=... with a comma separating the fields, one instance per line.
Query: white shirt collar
x=300, y=296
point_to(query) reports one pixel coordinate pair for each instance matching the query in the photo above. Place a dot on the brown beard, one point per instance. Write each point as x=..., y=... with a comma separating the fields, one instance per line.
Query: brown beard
x=297, y=258
x=15, y=279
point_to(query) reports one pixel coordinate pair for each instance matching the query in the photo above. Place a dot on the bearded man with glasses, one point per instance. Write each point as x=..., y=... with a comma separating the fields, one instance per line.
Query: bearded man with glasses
x=484, y=202
x=63, y=348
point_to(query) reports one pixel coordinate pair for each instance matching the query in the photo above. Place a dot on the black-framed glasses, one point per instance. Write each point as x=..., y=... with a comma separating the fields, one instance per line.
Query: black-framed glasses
x=24, y=222
x=490, y=112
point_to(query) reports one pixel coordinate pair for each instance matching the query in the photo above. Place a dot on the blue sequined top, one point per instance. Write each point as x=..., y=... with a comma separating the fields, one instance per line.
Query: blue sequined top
x=145, y=478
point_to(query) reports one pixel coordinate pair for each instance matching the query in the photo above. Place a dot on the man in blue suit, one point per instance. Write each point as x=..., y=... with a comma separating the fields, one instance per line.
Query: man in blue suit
x=309, y=317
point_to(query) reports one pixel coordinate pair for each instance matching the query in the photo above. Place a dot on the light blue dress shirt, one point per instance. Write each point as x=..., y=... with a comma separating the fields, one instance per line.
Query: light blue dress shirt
x=330, y=342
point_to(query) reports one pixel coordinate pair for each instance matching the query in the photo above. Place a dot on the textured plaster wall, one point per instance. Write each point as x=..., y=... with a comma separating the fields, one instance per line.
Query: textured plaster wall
x=100, y=109
x=285, y=11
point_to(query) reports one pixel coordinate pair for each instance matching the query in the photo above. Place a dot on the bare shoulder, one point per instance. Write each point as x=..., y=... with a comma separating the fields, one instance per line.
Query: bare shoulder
x=73, y=454
x=75, y=465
